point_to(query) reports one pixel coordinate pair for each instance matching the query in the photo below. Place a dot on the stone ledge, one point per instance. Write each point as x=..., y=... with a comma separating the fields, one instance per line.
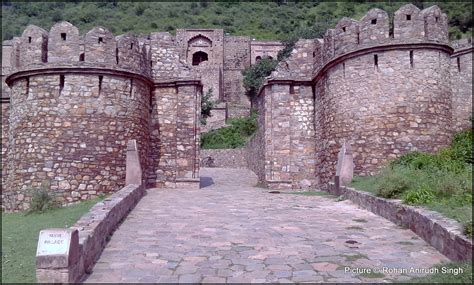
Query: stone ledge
x=442, y=233
x=94, y=229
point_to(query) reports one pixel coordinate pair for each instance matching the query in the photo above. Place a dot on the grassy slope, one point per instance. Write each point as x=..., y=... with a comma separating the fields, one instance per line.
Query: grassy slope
x=445, y=178
x=20, y=237
x=234, y=136
x=264, y=20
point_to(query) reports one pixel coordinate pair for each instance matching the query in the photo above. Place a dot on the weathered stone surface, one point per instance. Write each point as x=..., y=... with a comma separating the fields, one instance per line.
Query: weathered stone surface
x=345, y=165
x=231, y=231
x=231, y=158
x=442, y=233
x=133, y=165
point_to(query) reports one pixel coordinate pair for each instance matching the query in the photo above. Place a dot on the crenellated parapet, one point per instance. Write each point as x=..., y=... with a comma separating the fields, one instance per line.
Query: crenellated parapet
x=412, y=28
x=63, y=47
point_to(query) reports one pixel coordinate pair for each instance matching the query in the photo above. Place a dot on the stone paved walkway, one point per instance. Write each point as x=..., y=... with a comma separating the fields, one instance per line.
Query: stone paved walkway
x=230, y=231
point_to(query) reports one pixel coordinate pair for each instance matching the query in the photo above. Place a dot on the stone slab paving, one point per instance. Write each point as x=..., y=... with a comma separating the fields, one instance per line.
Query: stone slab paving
x=231, y=231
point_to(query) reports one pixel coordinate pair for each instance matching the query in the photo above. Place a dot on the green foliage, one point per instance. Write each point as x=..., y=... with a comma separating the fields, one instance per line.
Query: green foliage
x=20, y=238
x=393, y=183
x=41, y=199
x=261, y=20
x=440, y=181
x=234, y=136
x=468, y=228
x=461, y=147
x=206, y=106
x=254, y=75
x=422, y=195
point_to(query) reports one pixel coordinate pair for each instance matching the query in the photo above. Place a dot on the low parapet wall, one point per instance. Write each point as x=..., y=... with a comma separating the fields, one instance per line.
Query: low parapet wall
x=442, y=233
x=93, y=231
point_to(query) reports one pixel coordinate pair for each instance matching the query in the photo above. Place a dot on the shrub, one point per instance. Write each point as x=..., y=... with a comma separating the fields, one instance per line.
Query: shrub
x=421, y=195
x=234, y=136
x=461, y=147
x=206, y=106
x=254, y=75
x=392, y=183
x=41, y=199
x=468, y=228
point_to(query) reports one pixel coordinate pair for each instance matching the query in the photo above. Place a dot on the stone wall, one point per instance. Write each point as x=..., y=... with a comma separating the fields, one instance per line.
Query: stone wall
x=217, y=119
x=236, y=59
x=73, y=110
x=461, y=84
x=175, y=135
x=386, y=93
x=260, y=49
x=190, y=41
x=289, y=146
x=226, y=158
x=256, y=154
x=384, y=111
x=71, y=131
x=5, y=129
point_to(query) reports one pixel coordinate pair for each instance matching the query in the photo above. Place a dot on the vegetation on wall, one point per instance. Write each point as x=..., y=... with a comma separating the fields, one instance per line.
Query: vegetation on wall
x=234, y=136
x=206, y=106
x=254, y=75
x=260, y=20
x=440, y=181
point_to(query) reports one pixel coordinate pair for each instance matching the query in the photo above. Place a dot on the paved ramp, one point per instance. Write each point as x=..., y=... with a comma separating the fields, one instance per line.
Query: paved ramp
x=231, y=231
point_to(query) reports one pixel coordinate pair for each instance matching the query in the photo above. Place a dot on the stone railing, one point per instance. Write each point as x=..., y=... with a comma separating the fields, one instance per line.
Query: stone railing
x=442, y=233
x=87, y=238
x=68, y=255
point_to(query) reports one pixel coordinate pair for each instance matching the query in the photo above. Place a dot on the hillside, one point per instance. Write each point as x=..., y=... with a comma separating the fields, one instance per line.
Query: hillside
x=261, y=20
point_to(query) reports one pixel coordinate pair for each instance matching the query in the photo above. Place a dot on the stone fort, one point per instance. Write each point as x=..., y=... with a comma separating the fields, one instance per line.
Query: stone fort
x=386, y=85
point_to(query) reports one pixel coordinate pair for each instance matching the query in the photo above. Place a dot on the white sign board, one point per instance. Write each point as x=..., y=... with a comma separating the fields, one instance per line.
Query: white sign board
x=54, y=242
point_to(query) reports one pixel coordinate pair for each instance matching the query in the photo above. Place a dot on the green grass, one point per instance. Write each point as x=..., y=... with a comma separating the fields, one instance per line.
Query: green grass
x=440, y=182
x=235, y=136
x=448, y=276
x=20, y=237
x=365, y=183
